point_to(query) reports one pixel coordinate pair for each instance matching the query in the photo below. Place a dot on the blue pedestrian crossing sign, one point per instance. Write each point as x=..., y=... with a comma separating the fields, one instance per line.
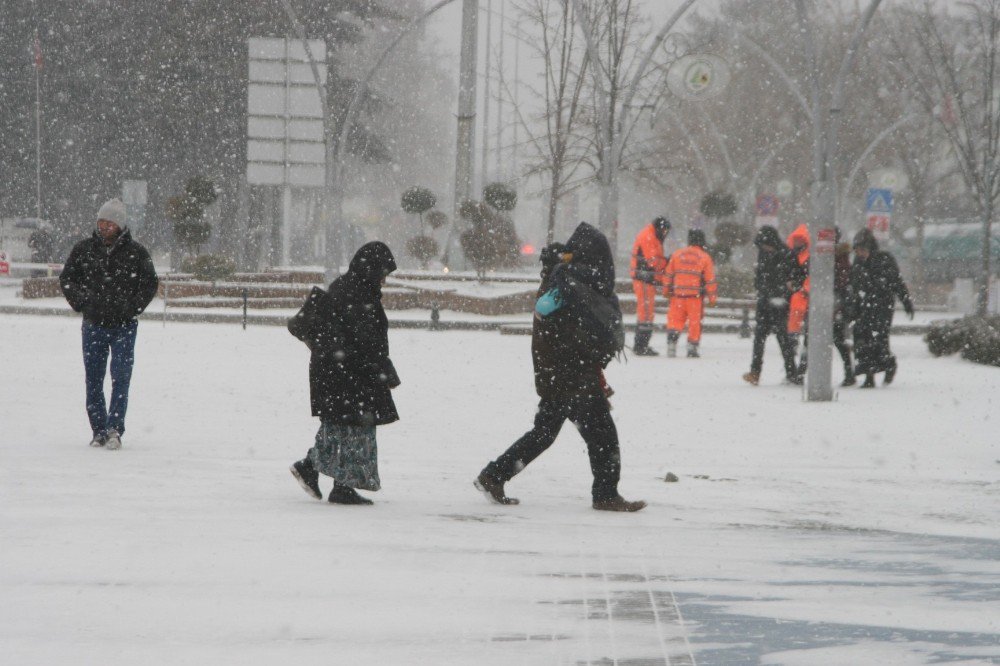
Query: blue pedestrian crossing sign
x=879, y=201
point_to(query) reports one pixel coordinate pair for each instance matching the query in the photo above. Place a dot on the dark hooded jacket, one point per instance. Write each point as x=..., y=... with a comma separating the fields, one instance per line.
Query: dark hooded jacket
x=110, y=285
x=566, y=361
x=350, y=372
x=778, y=274
x=875, y=286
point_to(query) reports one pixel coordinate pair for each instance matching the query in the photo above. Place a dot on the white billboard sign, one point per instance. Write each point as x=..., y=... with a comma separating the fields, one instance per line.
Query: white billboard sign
x=285, y=143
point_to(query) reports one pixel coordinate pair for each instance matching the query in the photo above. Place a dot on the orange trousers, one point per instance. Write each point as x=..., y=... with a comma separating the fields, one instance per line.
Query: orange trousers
x=645, y=299
x=687, y=310
x=798, y=309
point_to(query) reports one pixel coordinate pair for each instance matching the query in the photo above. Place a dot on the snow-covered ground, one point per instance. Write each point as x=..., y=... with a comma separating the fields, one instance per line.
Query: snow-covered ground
x=863, y=531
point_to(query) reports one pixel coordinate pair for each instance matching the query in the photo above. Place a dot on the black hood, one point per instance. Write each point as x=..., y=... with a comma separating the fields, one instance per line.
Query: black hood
x=370, y=264
x=373, y=262
x=592, y=261
x=768, y=235
x=866, y=239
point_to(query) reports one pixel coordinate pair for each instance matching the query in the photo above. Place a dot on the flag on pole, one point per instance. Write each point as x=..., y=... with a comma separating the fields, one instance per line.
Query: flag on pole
x=38, y=52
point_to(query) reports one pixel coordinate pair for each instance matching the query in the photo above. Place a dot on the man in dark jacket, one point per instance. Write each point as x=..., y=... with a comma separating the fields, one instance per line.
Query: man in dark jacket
x=568, y=358
x=110, y=278
x=350, y=378
x=777, y=277
x=876, y=284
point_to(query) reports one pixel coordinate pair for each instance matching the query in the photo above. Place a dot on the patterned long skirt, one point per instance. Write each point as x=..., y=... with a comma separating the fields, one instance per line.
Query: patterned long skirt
x=348, y=454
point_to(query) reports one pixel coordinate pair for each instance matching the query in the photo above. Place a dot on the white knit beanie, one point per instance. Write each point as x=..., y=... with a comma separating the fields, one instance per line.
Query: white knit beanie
x=113, y=210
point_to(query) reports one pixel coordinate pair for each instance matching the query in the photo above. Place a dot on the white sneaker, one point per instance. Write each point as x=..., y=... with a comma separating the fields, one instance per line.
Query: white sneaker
x=114, y=441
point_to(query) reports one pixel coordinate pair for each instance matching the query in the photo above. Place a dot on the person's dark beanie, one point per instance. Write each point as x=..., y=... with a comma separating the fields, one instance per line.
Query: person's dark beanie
x=697, y=237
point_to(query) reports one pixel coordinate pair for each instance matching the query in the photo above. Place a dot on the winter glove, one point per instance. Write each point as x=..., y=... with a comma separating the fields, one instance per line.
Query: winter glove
x=908, y=308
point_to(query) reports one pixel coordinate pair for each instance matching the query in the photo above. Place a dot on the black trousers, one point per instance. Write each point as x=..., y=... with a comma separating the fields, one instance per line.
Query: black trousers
x=592, y=418
x=769, y=320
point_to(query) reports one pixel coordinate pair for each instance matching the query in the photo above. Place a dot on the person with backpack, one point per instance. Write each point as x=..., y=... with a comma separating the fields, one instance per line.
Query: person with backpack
x=577, y=330
x=350, y=377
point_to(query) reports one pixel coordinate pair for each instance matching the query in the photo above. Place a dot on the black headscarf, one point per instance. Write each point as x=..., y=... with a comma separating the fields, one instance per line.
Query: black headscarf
x=371, y=263
x=866, y=239
x=768, y=235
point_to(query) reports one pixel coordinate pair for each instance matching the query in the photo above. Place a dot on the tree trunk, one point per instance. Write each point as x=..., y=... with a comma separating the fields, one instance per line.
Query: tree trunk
x=983, y=300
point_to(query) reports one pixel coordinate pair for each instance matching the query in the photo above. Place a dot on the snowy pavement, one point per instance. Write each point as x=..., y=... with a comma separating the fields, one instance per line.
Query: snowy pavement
x=863, y=531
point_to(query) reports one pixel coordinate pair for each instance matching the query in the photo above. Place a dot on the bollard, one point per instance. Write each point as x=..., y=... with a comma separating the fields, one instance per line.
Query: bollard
x=745, y=329
x=244, y=308
x=166, y=292
x=435, y=317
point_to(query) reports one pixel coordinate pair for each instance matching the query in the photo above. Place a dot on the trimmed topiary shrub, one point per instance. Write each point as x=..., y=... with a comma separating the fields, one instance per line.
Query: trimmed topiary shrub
x=500, y=196
x=422, y=248
x=437, y=219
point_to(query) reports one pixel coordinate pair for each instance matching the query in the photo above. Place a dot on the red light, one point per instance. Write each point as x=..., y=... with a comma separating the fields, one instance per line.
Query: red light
x=527, y=248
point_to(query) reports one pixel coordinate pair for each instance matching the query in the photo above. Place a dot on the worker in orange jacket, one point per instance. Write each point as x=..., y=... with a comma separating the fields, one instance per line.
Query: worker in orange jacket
x=690, y=278
x=648, y=268
x=798, y=304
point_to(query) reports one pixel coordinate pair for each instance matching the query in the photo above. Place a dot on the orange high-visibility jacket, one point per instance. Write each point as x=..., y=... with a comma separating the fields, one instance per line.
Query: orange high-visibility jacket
x=648, y=249
x=801, y=232
x=691, y=274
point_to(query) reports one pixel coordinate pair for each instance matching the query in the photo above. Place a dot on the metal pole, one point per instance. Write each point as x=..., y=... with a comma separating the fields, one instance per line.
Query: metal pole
x=499, y=137
x=465, y=146
x=245, y=308
x=819, y=386
x=484, y=169
x=286, y=201
x=38, y=131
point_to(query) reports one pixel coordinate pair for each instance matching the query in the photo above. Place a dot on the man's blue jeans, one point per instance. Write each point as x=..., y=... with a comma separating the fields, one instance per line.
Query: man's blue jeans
x=98, y=341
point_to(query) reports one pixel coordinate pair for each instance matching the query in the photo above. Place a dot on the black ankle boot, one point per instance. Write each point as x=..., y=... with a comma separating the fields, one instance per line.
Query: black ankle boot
x=346, y=495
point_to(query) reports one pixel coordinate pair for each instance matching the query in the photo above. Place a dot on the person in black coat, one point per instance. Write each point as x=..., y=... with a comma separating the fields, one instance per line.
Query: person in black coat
x=110, y=278
x=876, y=284
x=777, y=277
x=568, y=365
x=350, y=379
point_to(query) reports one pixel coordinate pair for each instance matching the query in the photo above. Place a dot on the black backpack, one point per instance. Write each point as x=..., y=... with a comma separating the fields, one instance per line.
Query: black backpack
x=302, y=324
x=599, y=317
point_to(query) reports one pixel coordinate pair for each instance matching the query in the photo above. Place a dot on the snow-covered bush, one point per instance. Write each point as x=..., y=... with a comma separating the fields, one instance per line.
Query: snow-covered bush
x=976, y=338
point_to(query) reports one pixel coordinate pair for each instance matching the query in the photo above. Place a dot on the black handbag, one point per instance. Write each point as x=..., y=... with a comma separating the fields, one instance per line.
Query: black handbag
x=301, y=325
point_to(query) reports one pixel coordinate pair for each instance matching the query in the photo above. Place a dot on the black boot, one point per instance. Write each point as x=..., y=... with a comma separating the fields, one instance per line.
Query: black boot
x=619, y=503
x=849, y=379
x=641, y=347
x=890, y=372
x=346, y=495
x=869, y=381
x=307, y=476
x=493, y=489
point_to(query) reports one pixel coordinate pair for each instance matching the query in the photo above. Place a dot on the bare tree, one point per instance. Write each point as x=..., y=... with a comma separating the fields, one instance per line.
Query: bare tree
x=950, y=64
x=552, y=132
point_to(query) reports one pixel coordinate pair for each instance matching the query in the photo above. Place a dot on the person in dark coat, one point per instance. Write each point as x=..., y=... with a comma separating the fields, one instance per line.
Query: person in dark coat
x=568, y=368
x=876, y=284
x=110, y=278
x=777, y=277
x=842, y=307
x=350, y=379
